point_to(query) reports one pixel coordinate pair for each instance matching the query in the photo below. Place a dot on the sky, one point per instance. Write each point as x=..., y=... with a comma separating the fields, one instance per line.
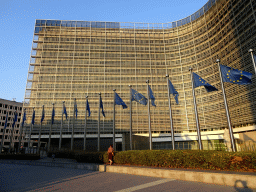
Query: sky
x=17, y=21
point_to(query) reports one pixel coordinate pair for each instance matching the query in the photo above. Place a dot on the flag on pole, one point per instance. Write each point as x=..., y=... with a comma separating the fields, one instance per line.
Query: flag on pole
x=119, y=101
x=199, y=81
x=6, y=119
x=151, y=96
x=136, y=96
x=24, y=119
x=174, y=92
x=65, y=111
x=88, y=108
x=76, y=111
x=235, y=76
x=53, y=114
x=15, y=119
x=33, y=118
x=42, y=118
x=101, y=106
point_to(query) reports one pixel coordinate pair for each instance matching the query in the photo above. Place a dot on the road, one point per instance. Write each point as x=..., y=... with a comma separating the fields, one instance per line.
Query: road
x=21, y=178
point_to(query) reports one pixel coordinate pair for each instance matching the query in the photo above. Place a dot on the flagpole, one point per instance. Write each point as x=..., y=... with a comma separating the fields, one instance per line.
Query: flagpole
x=253, y=61
x=170, y=109
x=50, y=132
x=10, y=144
x=149, y=119
x=114, y=114
x=21, y=130
x=61, y=125
x=196, y=114
x=130, y=117
x=227, y=111
x=73, y=127
x=31, y=128
x=40, y=131
x=85, y=123
x=99, y=124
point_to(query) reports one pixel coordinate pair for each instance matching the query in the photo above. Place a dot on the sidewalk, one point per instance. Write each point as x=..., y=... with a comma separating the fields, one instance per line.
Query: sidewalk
x=229, y=178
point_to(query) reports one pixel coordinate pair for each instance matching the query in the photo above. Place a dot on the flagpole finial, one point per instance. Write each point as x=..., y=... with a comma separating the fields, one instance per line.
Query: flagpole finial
x=250, y=50
x=130, y=86
x=86, y=96
x=52, y=103
x=63, y=101
x=166, y=75
x=217, y=61
x=147, y=81
x=74, y=98
x=190, y=69
x=99, y=93
x=114, y=89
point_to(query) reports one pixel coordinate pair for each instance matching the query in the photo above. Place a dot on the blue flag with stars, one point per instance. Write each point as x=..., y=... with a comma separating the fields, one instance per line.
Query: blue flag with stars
x=76, y=111
x=43, y=114
x=15, y=119
x=174, y=92
x=24, y=119
x=198, y=81
x=6, y=119
x=33, y=118
x=65, y=111
x=53, y=114
x=88, y=108
x=119, y=101
x=101, y=106
x=235, y=76
x=136, y=96
x=151, y=96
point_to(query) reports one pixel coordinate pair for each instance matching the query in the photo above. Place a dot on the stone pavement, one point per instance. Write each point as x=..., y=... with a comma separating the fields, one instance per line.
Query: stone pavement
x=228, y=178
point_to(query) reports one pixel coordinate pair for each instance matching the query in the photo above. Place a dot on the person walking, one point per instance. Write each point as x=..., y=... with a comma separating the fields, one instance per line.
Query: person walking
x=110, y=154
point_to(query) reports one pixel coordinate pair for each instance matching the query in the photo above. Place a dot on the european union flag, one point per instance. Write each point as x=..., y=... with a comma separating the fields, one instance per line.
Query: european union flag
x=198, y=81
x=76, y=111
x=151, y=96
x=65, y=111
x=33, y=118
x=235, y=76
x=119, y=101
x=24, y=119
x=101, y=106
x=136, y=96
x=88, y=108
x=6, y=119
x=15, y=119
x=53, y=114
x=42, y=118
x=174, y=92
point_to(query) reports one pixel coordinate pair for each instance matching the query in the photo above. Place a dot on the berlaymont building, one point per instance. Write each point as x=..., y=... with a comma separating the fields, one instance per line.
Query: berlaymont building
x=72, y=60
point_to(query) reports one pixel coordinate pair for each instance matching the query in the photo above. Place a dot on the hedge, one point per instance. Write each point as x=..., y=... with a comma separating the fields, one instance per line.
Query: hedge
x=210, y=160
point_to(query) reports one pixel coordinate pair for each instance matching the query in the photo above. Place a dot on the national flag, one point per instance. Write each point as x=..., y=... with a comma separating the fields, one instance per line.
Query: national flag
x=235, y=76
x=199, y=81
x=151, y=96
x=119, y=101
x=136, y=96
x=76, y=111
x=101, y=106
x=88, y=108
x=6, y=119
x=65, y=111
x=23, y=119
x=53, y=114
x=33, y=118
x=174, y=92
x=15, y=119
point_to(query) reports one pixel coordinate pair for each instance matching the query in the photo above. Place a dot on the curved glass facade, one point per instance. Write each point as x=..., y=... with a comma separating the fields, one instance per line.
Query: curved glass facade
x=73, y=59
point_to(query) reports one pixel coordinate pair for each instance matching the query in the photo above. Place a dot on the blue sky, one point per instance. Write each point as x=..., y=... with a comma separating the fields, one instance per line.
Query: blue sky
x=17, y=20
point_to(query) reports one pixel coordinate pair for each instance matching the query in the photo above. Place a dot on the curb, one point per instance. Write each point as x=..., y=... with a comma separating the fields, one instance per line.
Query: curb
x=228, y=179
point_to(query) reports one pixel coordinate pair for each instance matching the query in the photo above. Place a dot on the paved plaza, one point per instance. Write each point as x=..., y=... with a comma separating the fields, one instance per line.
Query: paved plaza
x=15, y=177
